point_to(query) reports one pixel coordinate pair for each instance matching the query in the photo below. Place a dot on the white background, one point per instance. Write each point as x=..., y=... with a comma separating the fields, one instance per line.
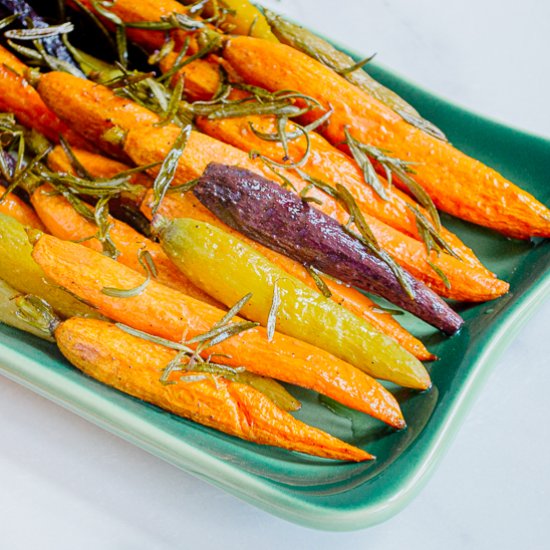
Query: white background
x=65, y=484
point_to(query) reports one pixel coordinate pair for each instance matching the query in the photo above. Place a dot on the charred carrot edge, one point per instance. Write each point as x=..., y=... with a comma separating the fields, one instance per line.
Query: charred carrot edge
x=167, y=313
x=93, y=109
x=132, y=365
x=458, y=184
x=467, y=283
x=17, y=96
x=64, y=222
x=349, y=298
x=187, y=206
x=13, y=206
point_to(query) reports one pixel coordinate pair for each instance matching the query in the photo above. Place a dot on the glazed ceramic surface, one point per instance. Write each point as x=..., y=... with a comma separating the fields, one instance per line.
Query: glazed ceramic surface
x=320, y=493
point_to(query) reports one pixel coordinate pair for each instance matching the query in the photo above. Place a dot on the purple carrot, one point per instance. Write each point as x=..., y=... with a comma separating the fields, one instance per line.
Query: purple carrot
x=280, y=220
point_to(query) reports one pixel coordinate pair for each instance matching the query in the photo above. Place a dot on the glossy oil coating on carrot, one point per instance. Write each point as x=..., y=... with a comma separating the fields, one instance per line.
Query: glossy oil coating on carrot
x=93, y=109
x=201, y=77
x=187, y=206
x=458, y=184
x=167, y=313
x=132, y=365
x=63, y=221
x=17, y=96
x=14, y=207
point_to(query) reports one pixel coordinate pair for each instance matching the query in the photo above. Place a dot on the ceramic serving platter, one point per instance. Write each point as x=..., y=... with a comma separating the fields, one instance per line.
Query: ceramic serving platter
x=320, y=493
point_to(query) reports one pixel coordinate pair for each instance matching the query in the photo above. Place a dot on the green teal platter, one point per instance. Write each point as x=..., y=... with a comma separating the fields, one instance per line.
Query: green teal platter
x=320, y=493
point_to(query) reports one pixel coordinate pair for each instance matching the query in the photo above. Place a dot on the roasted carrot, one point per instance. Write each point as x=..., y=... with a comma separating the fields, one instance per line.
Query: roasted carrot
x=167, y=313
x=93, y=109
x=17, y=96
x=133, y=365
x=324, y=162
x=329, y=164
x=187, y=206
x=457, y=183
x=63, y=221
x=96, y=108
x=200, y=77
x=13, y=206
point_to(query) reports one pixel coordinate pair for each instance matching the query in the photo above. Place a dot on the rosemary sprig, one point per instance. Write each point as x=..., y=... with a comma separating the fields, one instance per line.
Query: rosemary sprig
x=220, y=331
x=146, y=261
x=101, y=219
x=321, y=285
x=356, y=66
x=369, y=173
x=121, y=40
x=273, y=310
x=365, y=235
x=168, y=168
x=39, y=33
x=429, y=230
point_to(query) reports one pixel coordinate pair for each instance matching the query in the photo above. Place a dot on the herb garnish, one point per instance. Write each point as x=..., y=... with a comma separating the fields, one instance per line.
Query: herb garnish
x=146, y=261
x=168, y=168
x=273, y=310
x=220, y=331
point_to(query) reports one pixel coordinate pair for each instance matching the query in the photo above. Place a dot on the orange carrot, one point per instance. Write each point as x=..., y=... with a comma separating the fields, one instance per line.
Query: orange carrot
x=63, y=221
x=201, y=77
x=133, y=365
x=17, y=96
x=167, y=313
x=93, y=109
x=457, y=183
x=13, y=206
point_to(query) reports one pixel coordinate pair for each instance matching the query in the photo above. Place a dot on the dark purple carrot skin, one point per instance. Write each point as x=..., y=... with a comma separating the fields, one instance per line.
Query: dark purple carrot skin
x=280, y=220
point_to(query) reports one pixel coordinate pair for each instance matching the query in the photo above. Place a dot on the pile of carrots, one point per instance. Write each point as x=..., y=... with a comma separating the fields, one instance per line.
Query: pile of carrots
x=145, y=304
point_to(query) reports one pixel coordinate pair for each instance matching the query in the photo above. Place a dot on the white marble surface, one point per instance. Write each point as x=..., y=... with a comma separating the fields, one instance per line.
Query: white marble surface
x=66, y=484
